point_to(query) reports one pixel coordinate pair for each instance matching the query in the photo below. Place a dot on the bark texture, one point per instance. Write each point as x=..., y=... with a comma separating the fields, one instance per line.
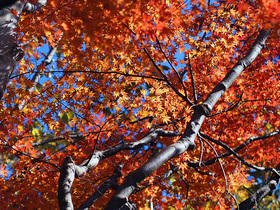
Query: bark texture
x=67, y=175
x=10, y=52
x=187, y=140
x=265, y=190
x=69, y=170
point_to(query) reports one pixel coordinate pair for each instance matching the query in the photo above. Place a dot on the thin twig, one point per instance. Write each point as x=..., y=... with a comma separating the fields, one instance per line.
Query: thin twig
x=185, y=98
x=31, y=157
x=166, y=79
x=259, y=168
x=201, y=152
x=222, y=168
x=36, y=144
x=193, y=82
x=187, y=185
x=202, y=172
x=66, y=106
x=237, y=149
x=169, y=123
x=175, y=70
x=97, y=72
x=235, y=200
x=38, y=73
x=217, y=155
x=230, y=108
x=141, y=119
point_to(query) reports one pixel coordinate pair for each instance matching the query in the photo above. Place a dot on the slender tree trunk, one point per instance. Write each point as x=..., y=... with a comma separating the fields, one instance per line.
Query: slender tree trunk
x=10, y=53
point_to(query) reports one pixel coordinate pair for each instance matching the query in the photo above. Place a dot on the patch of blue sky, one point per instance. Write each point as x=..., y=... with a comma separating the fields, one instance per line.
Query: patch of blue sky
x=10, y=171
x=146, y=147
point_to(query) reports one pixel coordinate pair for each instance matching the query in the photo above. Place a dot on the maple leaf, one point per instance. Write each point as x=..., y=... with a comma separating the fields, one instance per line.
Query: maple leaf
x=64, y=26
x=14, y=12
x=156, y=88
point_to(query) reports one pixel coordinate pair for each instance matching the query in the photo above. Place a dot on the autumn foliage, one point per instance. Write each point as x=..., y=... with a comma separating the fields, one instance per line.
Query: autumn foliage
x=125, y=80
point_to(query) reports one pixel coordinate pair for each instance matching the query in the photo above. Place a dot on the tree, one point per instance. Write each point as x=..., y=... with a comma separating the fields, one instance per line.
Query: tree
x=133, y=104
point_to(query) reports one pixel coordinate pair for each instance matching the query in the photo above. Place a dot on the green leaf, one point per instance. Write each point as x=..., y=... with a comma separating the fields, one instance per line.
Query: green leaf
x=70, y=115
x=35, y=132
x=64, y=118
x=38, y=87
x=37, y=124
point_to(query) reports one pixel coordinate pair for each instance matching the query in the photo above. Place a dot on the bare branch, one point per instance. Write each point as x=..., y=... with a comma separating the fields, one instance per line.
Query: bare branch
x=175, y=70
x=193, y=82
x=230, y=108
x=38, y=74
x=217, y=155
x=202, y=172
x=186, y=142
x=72, y=136
x=234, y=152
x=70, y=169
x=167, y=80
x=102, y=72
x=109, y=183
x=33, y=159
x=141, y=119
x=169, y=123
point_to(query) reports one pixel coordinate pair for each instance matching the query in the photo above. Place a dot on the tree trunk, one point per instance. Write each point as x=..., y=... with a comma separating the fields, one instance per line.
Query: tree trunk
x=10, y=53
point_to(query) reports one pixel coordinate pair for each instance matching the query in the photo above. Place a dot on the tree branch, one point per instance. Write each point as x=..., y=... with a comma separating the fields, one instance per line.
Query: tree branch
x=32, y=8
x=173, y=169
x=230, y=108
x=72, y=136
x=186, y=142
x=33, y=159
x=177, y=74
x=220, y=163
x=109, y=183
x=167, y=80
x=102, y=72
x=100, y=155
x=265, y=190
x=237, y=149
x=37, y=75
x=241, y=65
x=193, y=82
x=69, y=170
x=234, y=153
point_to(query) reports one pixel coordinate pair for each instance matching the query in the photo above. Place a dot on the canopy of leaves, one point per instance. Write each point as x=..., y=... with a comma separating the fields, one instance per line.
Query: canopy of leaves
x=122, y=69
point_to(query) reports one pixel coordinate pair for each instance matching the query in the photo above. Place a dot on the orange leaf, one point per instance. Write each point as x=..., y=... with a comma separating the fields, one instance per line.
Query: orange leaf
x=14, y=12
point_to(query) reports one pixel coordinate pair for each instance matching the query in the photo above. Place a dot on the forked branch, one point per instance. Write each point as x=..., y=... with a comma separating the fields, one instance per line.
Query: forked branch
x=185, y=98
x=70, y=170
x=175, y=70
x=236, y=150
x=265, y=190
x=186, y=142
